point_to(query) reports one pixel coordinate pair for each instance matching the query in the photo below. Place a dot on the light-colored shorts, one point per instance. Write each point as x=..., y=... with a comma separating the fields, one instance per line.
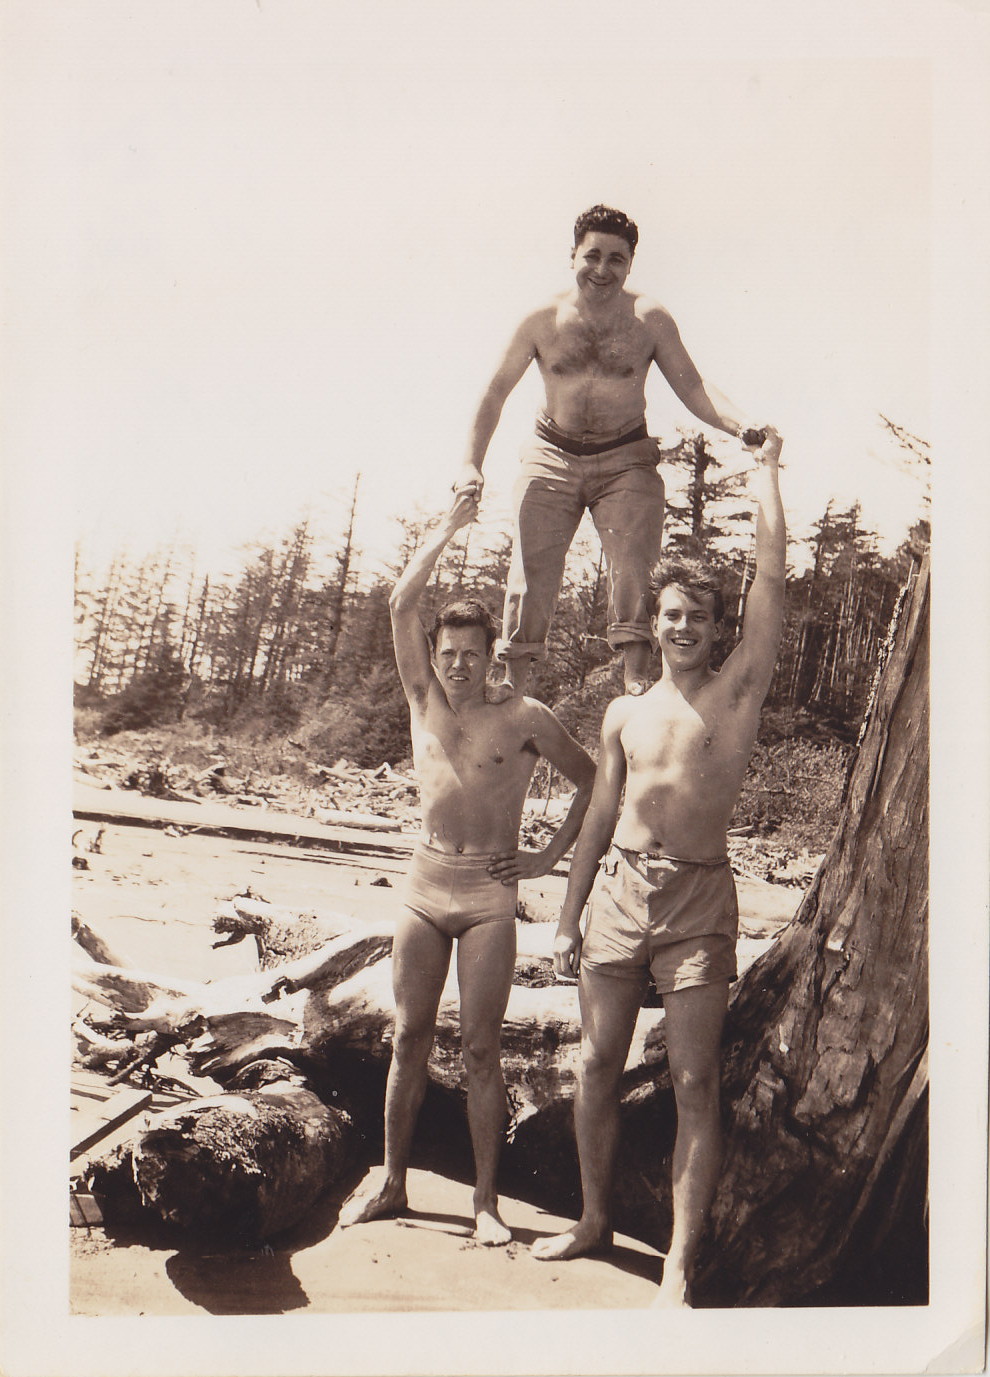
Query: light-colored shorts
x=455, y=893
x=676, y=919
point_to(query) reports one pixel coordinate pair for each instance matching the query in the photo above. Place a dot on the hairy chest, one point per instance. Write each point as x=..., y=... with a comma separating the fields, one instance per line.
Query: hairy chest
x=620, y=349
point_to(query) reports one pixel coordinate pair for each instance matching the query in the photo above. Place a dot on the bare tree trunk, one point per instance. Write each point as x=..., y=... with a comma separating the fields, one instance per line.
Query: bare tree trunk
x=826, y=1072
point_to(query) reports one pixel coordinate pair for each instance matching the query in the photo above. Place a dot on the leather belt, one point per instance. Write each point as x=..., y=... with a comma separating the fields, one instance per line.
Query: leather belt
x=583, y=448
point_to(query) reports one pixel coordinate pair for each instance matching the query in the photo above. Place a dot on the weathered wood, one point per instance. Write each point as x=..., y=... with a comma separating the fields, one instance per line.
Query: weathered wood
x=826, y=1074
x=238, y=1167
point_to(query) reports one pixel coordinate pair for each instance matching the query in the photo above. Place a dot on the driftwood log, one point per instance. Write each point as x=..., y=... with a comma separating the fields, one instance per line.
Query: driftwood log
x=239, y=1167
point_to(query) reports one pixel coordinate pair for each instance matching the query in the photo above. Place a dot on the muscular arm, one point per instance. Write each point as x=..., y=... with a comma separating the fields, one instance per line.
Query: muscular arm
x=687, y=384
x=752, y=662
x=412, y=649
x=599, y=825
x=515, y=361
x=556, y=745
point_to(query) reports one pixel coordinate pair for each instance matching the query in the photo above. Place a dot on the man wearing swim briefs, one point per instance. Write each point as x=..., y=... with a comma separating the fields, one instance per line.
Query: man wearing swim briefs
x=665, y=899
x=474, y=760
x=594, y=346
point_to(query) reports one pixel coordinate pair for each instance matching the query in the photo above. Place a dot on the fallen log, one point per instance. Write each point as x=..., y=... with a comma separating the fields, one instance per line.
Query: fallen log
x=239, y=1167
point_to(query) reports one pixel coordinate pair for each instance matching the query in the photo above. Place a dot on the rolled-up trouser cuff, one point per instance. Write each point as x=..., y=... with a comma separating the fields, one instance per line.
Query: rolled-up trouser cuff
x=515, y=650
x=623, y=633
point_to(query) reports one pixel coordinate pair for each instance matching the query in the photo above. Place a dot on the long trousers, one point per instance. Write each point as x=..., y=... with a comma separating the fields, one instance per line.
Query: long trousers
x=624, y=493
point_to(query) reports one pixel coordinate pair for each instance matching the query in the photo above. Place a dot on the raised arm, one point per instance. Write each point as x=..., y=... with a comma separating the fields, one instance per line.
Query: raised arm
x=687, y=384
x=599, y=825
x=555, y=744
x=412, y=648
x=752, y=662
x=515, y=361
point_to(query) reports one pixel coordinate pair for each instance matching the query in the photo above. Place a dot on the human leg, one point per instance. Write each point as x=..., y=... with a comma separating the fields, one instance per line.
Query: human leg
x=420, y=957
x=485, y=959
x=693, y=1021
x=549, y=506
x=609, y=1006
x=628, y=512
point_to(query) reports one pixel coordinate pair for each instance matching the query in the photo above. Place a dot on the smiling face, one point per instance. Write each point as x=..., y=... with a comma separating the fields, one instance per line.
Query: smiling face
x=461, y=661
x=685, y=627
x=601, y=264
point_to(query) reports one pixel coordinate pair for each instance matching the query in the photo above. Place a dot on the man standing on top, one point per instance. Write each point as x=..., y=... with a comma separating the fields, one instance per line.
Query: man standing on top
x=474, y=761
x=594, y=346
x=665, y=899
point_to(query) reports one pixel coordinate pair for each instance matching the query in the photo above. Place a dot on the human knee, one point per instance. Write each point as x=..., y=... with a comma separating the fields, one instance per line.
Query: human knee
x=412, y=1042
x=600, y=1067
x=480, y=1053
x=696, y=1088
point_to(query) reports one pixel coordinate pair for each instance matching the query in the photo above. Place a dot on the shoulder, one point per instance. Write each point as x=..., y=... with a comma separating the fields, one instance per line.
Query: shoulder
x=536, y=715
x=653, y=315
x=617, y=714
x=543, y=317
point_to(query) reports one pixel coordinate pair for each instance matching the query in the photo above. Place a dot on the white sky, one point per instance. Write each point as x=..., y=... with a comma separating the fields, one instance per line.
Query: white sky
x=281, y=243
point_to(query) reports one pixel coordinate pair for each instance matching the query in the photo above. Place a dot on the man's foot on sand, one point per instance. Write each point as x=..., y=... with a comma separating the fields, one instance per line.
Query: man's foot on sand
x=368, y=1203
x=576, y=1242
x=490, y=1229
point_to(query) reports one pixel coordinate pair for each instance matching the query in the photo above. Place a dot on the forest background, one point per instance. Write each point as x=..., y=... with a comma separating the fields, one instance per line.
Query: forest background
x=286, y=666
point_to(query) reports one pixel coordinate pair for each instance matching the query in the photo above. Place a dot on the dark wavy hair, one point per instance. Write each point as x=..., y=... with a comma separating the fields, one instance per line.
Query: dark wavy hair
x=606, y=220
x=464, y=612
x=693, y=576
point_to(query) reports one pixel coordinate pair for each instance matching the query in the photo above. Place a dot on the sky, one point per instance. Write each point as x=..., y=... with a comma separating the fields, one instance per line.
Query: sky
x=277, y=245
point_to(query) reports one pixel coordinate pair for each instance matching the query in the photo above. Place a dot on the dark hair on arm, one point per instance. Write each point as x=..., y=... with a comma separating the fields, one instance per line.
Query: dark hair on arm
x=606, y=220
x=465, y=612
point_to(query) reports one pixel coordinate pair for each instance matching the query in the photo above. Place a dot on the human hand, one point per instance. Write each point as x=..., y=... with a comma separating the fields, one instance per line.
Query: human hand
x=469, y=479
x=463, y=511
x=509, y=866
x=769, y=450
x=567, y=952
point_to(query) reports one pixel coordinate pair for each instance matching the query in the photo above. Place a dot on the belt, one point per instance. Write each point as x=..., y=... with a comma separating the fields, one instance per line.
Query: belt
x=663, y=856
x=582, y=448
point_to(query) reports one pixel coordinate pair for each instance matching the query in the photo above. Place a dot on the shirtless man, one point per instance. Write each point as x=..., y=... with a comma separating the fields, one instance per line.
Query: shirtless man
x=474, y=760
x=594, y=346
x=665, y=900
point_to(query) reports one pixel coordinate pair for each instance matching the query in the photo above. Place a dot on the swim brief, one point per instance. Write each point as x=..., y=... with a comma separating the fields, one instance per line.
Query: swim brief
x=455, y=893
x=676, y=919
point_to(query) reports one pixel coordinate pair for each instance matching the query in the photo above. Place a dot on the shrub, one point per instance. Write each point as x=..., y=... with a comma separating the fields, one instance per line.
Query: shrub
x=793, y=790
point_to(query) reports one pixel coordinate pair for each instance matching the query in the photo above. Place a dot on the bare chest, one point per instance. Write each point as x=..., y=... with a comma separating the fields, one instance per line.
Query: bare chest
x=576, y=347
x=684, y=739
x=477, y=755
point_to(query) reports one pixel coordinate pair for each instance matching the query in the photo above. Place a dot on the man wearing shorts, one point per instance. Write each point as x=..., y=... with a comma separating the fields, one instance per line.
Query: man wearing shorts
x=665, y=900
x=474, y=760
x=594, y=346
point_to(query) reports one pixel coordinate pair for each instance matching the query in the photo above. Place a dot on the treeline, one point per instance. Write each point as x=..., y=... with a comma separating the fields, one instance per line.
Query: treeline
x=298, y=641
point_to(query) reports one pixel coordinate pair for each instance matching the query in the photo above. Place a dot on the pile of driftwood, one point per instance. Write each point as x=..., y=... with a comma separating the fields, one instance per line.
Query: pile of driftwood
x=298, y=1053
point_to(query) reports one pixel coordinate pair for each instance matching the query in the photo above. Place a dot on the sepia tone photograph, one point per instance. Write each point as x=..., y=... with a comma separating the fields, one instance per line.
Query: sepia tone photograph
x=477, y=828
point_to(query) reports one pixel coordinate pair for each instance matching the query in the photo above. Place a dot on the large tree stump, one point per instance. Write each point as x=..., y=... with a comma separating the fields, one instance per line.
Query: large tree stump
x=826, y=1069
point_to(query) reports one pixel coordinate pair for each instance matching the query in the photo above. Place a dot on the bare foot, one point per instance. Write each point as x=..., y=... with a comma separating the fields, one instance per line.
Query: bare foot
x=636, y=687
x=490, y=1229
x=367, y=1203
x=575, y=1242
x=500, y=693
